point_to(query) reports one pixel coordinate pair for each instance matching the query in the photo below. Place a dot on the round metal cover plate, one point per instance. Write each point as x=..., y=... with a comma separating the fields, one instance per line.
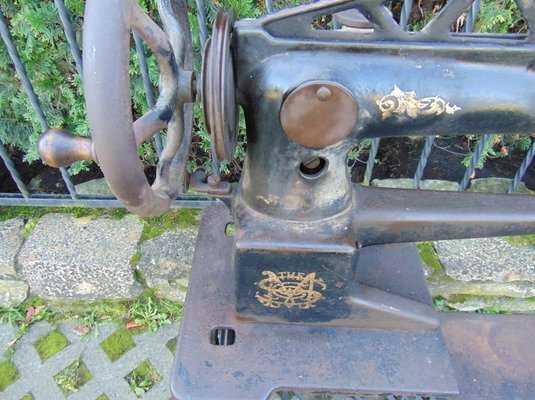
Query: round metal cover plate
x=319, y=114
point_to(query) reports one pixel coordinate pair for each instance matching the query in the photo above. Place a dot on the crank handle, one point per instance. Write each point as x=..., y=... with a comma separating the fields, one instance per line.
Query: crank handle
x=60, y=148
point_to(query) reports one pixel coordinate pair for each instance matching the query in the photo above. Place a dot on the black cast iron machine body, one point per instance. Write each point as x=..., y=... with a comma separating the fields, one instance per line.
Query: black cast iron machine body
x=320, y=288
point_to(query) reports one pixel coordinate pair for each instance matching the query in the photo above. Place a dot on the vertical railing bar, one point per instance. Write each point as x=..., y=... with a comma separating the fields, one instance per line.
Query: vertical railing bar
x=405, y=14
x=13, y=171
x=21, y=71
x=473, y=162
x=71, y=37
x=269, y=6
x=201, y=21
x=472, y=16
x=371, y=161
x=470, y=20
x=336, y=24
x=426, y=152
x=522, y=170
x=140, y=50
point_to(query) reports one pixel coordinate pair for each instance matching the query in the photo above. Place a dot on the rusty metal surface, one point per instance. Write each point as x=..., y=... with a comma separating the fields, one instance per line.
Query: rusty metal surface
x=319, y=114
x=268, y=357
x=493, y=355
x=108, y=99
x=209, y=185
x=218, y=92
x=60, y=148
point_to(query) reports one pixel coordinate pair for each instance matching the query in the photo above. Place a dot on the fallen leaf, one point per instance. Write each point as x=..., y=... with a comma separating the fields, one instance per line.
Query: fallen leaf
x=81, y=330
x=133, y=324
x=29, y=314
x=104, y=317
x=39, y=309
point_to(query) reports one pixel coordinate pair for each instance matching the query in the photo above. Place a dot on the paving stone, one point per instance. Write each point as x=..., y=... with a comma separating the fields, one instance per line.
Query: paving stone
x=10, y=243
x=94, y=187
x=7, y=334
x=37, y=377
x=12, y=292
x=81, y=258
x=166, y=262
x=406, y=183
x=486, y=260
x=495, y=185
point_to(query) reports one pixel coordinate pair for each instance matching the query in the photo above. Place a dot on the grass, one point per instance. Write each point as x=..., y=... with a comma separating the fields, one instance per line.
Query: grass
x=117, y=344
x=27, y=213
x=143, y=378
x=50, y=344
x=176, y=218
x=102, y=397
x=27, y=396
x=524, y=240
x=153, y=312
x=73, y=377
x=8, y=374
x=429, y=256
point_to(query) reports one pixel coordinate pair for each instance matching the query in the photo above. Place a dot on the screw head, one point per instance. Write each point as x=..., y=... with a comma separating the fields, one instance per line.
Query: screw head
x=323, y=93
x=213, y=180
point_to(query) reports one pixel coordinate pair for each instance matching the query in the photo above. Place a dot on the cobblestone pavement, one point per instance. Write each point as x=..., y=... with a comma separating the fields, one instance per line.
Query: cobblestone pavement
x=108, y=379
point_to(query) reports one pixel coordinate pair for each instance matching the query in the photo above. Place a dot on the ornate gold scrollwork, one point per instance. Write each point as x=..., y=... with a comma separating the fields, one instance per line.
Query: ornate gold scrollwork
x=400, y=102
x=290, y=289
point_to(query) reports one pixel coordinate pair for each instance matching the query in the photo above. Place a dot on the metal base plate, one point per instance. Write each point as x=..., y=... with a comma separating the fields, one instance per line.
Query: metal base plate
x=269, y=357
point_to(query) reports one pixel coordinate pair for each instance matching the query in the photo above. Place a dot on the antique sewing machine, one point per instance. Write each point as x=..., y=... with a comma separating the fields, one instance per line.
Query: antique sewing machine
x=319, y=289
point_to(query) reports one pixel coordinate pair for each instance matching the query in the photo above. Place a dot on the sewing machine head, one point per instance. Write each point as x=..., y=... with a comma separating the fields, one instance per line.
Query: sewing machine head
x=308, y=97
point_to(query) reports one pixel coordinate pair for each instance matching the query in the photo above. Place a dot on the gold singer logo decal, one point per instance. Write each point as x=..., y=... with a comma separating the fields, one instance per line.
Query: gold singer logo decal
x=400, y=102
x=290, y=289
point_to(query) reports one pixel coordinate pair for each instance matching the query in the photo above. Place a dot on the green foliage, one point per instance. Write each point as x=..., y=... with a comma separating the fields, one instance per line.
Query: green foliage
x=73, y=377
x=144, y=377
x=500, y=16
x=152, y=312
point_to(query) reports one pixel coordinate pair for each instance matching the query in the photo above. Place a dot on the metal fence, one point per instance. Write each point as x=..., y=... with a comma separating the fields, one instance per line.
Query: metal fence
x=25, y=197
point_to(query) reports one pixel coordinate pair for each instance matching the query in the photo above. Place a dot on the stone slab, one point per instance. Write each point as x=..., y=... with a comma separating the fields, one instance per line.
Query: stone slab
x=495, y=185
x=10, y=243
x=94, y=187
x=81, y=258
x=12, y=292
x=486, y=260
x=406, y=183
x=166, y=262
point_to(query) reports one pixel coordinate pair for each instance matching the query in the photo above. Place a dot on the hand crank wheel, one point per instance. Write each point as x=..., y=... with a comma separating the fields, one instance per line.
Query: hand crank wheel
x=108, y=24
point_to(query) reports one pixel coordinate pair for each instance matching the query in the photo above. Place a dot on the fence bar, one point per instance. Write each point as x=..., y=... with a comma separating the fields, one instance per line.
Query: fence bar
x=472, y=16
x=522, y=170
x=55, y=200
x=426, y=152
x=201, y=21
x=140, y=50
x=269, y=6
x=71, y=37
x=13, y=171
x=21, y=71
x=473, y=162
x=371, y=161
x=405, y=14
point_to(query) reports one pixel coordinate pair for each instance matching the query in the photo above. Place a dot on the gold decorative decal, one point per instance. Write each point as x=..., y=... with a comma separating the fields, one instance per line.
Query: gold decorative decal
x=290, y=289
x=400, y=102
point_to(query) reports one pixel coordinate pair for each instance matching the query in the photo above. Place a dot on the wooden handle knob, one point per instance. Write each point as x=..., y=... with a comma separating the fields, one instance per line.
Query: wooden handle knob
x=59, y=148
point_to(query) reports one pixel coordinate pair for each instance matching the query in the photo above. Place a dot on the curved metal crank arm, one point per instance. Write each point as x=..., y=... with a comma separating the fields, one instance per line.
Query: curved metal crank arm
x=397, y=215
